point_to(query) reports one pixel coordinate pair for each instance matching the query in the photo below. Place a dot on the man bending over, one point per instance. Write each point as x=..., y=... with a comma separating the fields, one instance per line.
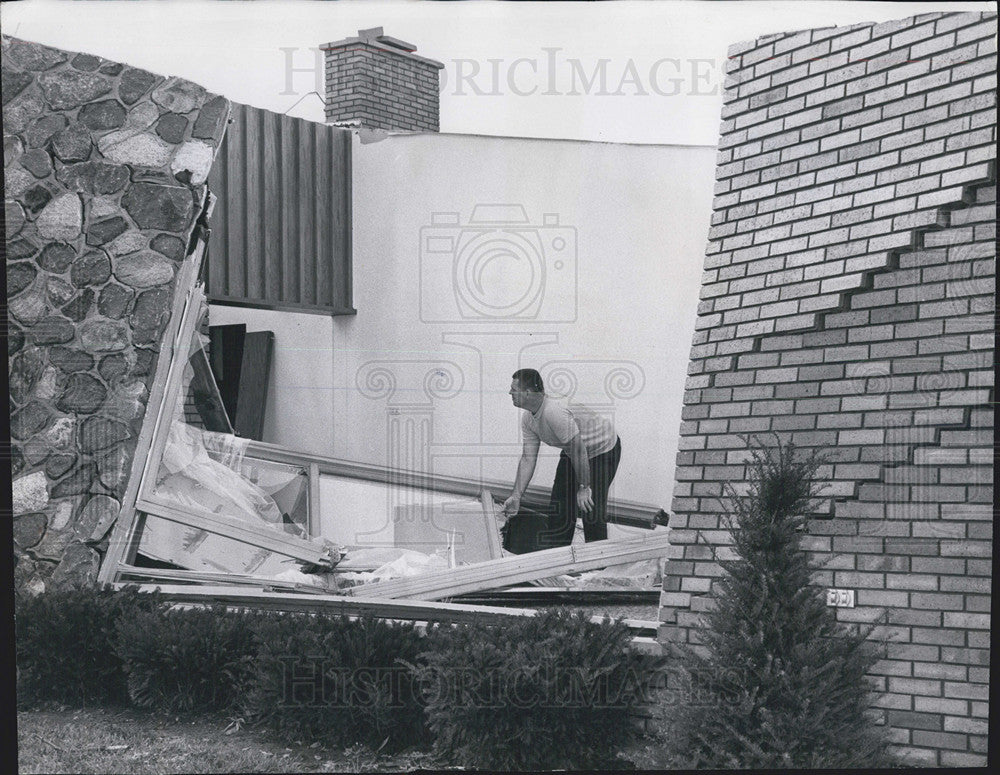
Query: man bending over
x=590, y=454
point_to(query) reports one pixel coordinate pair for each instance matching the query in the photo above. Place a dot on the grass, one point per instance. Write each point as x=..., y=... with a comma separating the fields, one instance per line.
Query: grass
x=128, y=741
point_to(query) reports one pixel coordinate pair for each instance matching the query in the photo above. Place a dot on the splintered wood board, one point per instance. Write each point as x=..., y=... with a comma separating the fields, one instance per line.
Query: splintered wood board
x=520, y=568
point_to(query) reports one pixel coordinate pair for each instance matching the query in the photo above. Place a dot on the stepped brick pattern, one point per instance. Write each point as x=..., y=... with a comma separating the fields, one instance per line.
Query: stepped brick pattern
x=848, y=305
x=104, y=178
x=377, y=82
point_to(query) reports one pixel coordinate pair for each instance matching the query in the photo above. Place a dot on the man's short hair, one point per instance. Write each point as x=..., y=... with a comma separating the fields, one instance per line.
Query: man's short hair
x=529, y=379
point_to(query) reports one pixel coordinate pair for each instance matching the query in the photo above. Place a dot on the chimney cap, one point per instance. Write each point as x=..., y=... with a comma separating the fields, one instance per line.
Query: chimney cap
x=375, y=37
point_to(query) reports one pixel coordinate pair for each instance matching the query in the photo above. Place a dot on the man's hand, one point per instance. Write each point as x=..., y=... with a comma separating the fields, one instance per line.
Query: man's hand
x=584, y=500
x=511, y=506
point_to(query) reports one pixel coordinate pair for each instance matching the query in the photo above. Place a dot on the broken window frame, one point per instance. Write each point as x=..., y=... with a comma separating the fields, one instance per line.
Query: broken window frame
x=139, y=500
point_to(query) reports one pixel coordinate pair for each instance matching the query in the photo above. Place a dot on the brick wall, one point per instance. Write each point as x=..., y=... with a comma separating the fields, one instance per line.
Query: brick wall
x=847, y=305
x=380, y=83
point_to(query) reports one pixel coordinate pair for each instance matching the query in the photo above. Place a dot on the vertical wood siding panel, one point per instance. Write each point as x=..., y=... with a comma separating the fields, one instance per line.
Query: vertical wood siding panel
x=306, y=258
x=321, y=201
x=272, y=207
x=254, y=184
x=281, y=227
x=235, y=260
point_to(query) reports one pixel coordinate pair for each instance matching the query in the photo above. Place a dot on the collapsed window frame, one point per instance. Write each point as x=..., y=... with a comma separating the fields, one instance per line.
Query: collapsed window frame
x=412, y=597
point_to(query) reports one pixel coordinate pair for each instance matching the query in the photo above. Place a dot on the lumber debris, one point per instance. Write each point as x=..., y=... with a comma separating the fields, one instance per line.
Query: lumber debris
x=491, y=574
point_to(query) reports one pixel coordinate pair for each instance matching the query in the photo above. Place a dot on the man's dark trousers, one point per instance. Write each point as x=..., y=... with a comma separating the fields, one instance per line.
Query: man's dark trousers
x=563, y=510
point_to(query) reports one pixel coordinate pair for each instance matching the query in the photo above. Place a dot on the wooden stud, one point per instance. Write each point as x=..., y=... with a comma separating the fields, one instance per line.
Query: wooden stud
x=523, y=567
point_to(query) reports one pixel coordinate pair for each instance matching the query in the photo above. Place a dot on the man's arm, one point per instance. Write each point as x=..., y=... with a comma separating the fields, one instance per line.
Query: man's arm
x=577, y=452
x=525, y=470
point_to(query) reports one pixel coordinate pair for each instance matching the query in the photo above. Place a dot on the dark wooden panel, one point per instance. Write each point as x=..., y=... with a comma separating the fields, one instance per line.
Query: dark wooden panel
x=226, y=348
x=254, y=374
x=281, y=229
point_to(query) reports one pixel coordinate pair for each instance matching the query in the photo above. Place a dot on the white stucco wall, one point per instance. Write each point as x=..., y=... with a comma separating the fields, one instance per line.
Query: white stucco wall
x=599, y=287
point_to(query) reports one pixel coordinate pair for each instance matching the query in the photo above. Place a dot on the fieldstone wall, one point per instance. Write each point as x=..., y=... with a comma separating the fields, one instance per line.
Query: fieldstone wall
x=848, y=305
x=104, y=168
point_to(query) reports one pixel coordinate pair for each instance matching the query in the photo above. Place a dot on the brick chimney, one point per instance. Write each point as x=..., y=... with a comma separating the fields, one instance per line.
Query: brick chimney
x=376, y=81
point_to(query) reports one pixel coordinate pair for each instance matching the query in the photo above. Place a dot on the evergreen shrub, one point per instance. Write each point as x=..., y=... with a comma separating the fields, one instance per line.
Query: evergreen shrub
x=776, y=682
x=187, y=659
x=336, y=680
x=65, y=645
x=550, y=691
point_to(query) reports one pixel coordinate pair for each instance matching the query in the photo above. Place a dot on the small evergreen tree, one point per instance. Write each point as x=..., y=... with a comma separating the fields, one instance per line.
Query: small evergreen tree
x=777, y=683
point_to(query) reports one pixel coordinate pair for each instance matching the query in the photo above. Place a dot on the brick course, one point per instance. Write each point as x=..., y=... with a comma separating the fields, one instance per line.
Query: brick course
x=381, y=86
x=847, y=305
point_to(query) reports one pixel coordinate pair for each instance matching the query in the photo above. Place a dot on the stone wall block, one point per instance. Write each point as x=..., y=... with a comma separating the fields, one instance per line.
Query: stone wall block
x=17, y=180
x=114, y=300
x=59, y=292
x=30, y=308
x=168, y=245
x=22, y=111
x=98, y=208
x=149, y=314
x=65, y=89
x=25, y=369
x=76, y=482
x=102, y=116
x=49, y=385
x=52, y=330
x=35, y=450
x=19, y=277
x=78, y=567
x=13, y=148
x=99, y=336
x=56, y=257
x=104, y=231
x=38, y=162
x=152, y=206
x=13, y=217
x=58, y=465
x=96, y=515
x=93, y=268
x=21, y=248
x=93, y=177
x=30, y=493
x=32, y=56
x=172, y=127
x=29, y=529
x=113, y=367
x=143, y=270
x=84, y=394
x=179, y=96
x=192, y=162
x=113, y=469
x=62, y=218
x=86, y=62
x=14, y=83
x=15, y=338
x=144, y=149
x=127, y=400
x=210, y=123
x=134, y=83
x=44, y=128
x=100, y=433
x=60, y=435
x=35, y=198
x=131, y=241
x=80, y=306
x=72, y=144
